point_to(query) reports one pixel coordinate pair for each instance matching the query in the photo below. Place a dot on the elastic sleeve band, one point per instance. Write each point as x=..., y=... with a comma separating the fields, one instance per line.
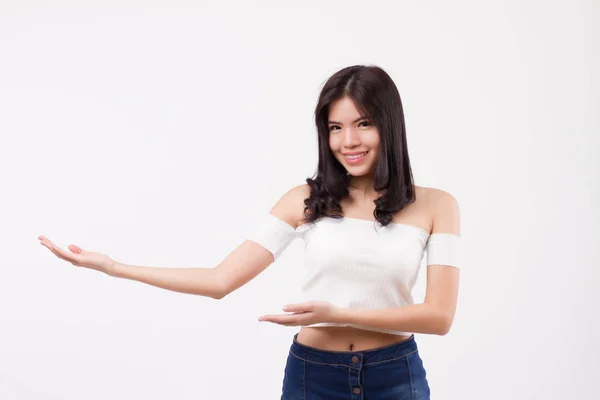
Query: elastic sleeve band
x=273, y=234
x=444, y=249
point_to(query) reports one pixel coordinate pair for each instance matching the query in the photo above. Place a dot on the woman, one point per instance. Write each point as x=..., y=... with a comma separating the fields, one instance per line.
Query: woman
x=366, y=227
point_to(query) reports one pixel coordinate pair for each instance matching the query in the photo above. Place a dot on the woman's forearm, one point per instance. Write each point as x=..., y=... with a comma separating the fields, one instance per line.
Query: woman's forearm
x=200, y=281
x=417, y=318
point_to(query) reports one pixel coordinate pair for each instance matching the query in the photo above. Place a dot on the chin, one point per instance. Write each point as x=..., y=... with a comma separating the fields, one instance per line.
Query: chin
x=357, y=171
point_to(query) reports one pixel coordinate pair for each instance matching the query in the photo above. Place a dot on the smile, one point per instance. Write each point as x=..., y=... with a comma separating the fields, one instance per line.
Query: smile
x=356, y=158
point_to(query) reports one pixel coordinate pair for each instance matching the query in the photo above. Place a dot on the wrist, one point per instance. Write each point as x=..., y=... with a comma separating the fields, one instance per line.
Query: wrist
x=341, y=315
x=116, y=270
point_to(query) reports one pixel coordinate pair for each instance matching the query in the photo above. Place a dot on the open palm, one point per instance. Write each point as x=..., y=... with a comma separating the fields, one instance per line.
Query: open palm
x=81, y=258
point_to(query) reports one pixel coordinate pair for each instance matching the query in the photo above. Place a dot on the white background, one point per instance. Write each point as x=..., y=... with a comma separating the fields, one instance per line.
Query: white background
x=160, y=133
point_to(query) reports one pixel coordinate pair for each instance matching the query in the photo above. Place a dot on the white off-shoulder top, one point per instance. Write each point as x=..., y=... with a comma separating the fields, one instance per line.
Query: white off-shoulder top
x=357, y=263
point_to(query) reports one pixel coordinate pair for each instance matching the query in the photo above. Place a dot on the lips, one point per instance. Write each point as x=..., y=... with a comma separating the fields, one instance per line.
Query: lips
x=355, y=157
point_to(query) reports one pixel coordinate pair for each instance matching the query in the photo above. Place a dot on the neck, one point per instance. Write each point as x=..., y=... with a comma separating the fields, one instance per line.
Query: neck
x=361, y=188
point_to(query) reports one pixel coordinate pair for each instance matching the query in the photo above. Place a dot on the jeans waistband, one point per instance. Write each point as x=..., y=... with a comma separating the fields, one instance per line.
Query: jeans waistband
x=354, y=359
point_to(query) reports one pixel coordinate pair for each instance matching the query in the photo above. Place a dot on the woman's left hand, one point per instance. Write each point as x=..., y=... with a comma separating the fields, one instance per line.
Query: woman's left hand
x=307, y=313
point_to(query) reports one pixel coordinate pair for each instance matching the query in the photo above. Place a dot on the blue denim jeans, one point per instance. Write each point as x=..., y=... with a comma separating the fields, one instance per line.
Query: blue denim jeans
x=389, y=372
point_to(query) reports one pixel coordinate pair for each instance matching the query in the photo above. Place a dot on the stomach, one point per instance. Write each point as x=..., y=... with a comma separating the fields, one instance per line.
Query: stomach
x=345, y=338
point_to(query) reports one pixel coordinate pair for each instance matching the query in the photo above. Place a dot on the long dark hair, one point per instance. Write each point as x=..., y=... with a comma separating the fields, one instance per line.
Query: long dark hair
x=375, y=95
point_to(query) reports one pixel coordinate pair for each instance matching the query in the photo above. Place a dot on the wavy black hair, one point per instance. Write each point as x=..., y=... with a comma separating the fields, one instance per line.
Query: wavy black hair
x=375, y=95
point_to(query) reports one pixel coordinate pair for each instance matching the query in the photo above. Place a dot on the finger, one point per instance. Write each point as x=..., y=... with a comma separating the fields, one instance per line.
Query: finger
x=65, y=255
x=75, y=249
x=284, y=323
x=296, y=318
x=46, y=241
x=57, y=254
x=300, y=318
x=57, y=251
x=280, y=319
x=52, y=249
x=75, y=258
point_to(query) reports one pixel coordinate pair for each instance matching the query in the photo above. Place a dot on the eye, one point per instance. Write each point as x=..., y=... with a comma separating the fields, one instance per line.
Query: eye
x=364, y=122
x=333, y=126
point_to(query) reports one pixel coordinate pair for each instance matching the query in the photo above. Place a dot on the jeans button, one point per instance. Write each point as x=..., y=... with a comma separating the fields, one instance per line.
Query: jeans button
x=354, y=359
x=356, y=390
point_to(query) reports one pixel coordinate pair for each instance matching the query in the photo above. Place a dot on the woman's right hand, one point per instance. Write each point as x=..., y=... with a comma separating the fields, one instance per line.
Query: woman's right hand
x=82, y=258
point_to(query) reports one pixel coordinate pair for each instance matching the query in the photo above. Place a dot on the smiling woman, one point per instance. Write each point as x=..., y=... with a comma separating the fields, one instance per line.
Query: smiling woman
x=366, y=229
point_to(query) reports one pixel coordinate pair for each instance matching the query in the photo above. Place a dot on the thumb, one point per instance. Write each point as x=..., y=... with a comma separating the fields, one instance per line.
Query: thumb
x=75, y=249
x=297, y=307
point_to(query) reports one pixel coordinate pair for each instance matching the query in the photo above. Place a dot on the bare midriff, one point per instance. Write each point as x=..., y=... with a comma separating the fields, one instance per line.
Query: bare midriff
x=342, y=338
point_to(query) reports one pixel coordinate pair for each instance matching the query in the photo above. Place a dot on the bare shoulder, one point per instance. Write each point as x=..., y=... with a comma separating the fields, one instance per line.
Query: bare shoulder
x=290, y=207
x=444, y=210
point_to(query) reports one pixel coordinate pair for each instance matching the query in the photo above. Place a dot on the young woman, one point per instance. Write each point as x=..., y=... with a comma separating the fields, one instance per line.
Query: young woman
x=366, y=228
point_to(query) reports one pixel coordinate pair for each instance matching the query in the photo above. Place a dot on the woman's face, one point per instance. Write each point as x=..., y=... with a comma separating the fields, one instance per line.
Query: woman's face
x=350, y=134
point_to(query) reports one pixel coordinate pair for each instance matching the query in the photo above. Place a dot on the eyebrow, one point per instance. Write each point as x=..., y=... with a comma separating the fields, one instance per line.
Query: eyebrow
x=356, y=120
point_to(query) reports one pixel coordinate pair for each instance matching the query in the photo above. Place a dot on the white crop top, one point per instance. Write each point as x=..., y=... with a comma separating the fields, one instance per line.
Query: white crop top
x=358, y=263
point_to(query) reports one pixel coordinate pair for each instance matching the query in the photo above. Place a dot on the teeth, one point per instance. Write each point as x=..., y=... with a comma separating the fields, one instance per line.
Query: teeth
x=356, y=156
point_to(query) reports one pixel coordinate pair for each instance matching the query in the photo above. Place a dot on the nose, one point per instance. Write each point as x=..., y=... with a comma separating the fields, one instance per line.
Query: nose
x=351, y=137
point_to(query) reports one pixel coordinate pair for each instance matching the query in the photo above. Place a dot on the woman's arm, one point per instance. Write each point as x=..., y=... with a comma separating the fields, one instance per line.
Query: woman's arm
x=243, y=264
x=436, y=314
x=200, y=281
x=239, y=267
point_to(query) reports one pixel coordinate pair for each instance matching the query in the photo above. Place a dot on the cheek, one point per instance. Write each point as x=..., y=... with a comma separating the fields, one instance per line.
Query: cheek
x=374, y=142
x=333, y=144
x=375, y=138
x=374, y=155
